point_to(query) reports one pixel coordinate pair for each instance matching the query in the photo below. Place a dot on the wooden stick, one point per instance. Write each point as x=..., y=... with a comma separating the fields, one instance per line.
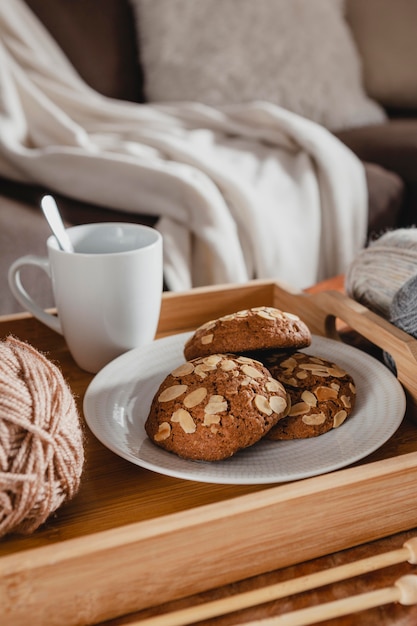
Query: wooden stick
x=283, y=589
x=404, y=591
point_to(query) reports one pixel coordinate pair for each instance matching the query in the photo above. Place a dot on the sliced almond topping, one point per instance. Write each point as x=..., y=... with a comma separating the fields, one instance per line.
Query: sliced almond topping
x=273, y=385
x=202, y=367
x=301, y=375
x=289, y=405
x=299, y=408
x=164, y=432
x=216, y=404
x=314, y=420
x=278, y=404
x=205, y=339
x=326, y=393
x=227, y=365
x=212, y=360
x=292, y=381
x=170, y=393
x=201, y=370
x=246, y=381
x=317, y=370
x=216, y=397
x=289, y=363
x=352, y=388
x=346, y=401
x=339, y=418
x=337, y=372
x=309, y=398
x=211, y=419
x=195, y=397
x=334, y=385
x=183, y=370
x=226, y=318
x=291, y=316
x=262, y=404
x=315, y=359
x=208, y=325
x=322, y=373
x=244, y=359
x=264, y=314
x=185, y=420
x=252, y=371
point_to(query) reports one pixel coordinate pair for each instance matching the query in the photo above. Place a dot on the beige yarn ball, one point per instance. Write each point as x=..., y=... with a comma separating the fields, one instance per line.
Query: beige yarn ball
x=41, y=441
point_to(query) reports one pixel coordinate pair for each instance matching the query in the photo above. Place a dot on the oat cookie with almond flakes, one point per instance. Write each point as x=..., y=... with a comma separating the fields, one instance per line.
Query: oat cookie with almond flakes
x=322, y=394
x=210, y=407
x=258, y=328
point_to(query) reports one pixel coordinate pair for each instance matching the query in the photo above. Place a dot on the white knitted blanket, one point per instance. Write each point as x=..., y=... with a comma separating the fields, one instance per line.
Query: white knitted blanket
x=249, y=191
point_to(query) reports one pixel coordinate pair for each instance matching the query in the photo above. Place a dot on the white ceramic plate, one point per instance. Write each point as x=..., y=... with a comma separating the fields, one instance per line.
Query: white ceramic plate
x=118, y=399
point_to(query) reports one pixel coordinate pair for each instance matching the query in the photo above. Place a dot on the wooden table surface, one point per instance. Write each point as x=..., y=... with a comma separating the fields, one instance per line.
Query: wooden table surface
x=56, y=529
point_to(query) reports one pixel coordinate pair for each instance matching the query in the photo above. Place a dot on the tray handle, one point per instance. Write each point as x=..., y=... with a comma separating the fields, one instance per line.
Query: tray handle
x=401, y=346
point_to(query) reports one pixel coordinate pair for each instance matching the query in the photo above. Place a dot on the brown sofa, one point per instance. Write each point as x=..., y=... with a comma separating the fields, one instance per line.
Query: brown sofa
x=99, y=38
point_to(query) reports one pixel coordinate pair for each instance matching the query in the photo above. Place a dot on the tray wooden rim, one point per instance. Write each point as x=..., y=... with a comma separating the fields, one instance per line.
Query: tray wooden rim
x=286, y=492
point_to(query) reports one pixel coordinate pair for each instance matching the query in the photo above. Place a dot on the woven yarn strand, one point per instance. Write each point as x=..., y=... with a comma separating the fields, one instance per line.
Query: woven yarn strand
x=380, y=270
x=41, y=441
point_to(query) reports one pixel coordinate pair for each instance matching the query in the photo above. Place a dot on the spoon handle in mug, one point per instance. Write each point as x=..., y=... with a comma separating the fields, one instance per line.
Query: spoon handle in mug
x=53, y=217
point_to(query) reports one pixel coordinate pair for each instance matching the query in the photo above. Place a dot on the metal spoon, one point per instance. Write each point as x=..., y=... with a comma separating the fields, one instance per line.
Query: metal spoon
x=53, y=216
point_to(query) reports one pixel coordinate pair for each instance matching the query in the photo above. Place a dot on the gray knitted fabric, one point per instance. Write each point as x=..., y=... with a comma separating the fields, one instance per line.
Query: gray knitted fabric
x=380, y=270
x=403, y=313
x=403, y=309
x=383, y=277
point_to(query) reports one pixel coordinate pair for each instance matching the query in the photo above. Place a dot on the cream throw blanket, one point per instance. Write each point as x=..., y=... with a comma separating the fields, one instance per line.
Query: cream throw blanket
x=249, y=191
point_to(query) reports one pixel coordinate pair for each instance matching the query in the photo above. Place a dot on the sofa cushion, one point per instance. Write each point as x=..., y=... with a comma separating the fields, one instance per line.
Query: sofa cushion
x=297, y=54
x=392, y=145
x=99, y=39
x=385, y=199
x=385, y=34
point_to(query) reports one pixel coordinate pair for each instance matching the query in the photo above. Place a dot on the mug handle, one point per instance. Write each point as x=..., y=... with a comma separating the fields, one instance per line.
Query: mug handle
x=22, y=295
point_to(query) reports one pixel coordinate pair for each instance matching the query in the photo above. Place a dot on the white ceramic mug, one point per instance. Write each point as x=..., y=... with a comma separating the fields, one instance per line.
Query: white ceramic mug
x=107, y=292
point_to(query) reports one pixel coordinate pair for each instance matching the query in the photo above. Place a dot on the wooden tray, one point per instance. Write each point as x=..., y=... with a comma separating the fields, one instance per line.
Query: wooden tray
x=132, y=539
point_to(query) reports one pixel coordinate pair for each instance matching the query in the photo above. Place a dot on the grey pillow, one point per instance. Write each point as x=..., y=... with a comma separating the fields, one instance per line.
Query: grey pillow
x=298, y=54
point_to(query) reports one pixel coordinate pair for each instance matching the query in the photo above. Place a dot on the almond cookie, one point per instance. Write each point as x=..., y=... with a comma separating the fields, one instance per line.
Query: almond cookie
x=322, y=395
x=258, y=328
x=209, y=408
